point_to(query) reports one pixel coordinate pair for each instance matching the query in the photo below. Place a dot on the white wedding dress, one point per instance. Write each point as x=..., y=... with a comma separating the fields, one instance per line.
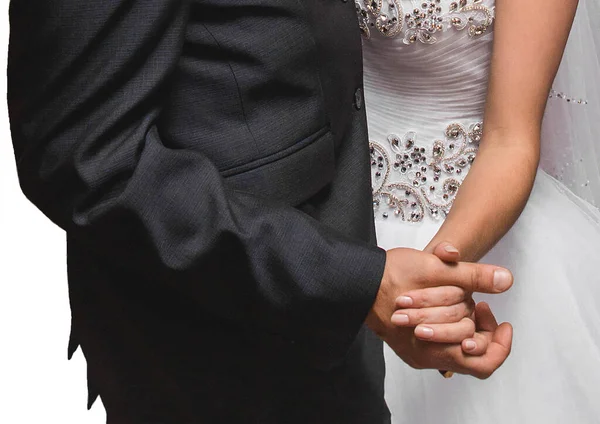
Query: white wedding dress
x=426, y=74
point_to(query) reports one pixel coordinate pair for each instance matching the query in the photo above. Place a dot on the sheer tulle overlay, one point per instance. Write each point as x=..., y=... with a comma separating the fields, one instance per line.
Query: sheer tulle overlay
x=424, y=100
x=553, y=373
x=571, y=143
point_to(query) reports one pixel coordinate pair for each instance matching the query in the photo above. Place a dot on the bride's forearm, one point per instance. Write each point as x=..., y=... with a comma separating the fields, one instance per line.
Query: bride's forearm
x=491, y=198
x=529, y=40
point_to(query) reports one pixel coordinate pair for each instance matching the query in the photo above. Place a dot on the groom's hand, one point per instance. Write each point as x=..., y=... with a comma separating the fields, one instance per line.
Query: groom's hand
x=407, y=270
x=433, y=312
x=437, y=314
x=496, y=340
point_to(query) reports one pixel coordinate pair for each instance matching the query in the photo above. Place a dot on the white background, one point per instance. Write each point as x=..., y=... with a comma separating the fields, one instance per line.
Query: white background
x=37, y=383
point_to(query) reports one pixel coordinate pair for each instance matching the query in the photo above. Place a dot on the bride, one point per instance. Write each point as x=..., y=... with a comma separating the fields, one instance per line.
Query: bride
x=456, y=93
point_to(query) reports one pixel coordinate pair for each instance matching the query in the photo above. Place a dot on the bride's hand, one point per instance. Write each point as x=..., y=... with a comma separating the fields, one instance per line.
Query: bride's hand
x=442, y=314
x=439, y=314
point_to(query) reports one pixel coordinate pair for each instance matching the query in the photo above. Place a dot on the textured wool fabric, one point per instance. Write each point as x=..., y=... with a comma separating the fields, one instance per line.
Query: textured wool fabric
x=209, y=163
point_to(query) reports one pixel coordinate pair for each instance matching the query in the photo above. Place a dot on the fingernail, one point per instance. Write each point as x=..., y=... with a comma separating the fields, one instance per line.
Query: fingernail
x=446, y=374
x=400, y=319
x=451, y=249
x=404, y=301
x=502, y=279
x=424, y=332
x=470, y=345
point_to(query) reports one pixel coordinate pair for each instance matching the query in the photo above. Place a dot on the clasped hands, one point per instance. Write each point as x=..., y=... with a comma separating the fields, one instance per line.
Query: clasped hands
x=424, y=311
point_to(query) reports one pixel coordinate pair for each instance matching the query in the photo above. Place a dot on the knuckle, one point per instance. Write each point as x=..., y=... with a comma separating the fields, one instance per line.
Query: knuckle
x=461, y=311
x=451, y=315
x=414, y=362
x=450, y=298
x=431, y=269
x=432, y=263
x=469, y=327
x=485, y=371
x=446, y=296
x=470, y=324
x=485, y=375
x=418, y=365
x=471, y=330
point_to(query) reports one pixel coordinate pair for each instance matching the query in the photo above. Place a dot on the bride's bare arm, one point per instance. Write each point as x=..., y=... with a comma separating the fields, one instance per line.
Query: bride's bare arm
x=529, y=40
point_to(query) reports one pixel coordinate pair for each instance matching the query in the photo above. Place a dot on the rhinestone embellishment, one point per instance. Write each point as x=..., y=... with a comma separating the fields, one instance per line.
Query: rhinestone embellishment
x=422, y=23
x=417, y=180
x=385, y=15
x=560, y=95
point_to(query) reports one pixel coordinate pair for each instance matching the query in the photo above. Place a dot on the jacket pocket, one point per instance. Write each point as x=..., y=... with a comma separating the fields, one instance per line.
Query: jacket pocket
x=292, y=175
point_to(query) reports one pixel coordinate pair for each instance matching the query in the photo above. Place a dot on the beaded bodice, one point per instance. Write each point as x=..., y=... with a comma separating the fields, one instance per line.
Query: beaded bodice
x=426, y=73
x=422, y=21
x=426, y=66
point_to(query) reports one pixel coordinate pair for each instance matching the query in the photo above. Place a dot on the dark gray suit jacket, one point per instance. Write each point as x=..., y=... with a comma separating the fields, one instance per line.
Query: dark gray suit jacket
x=209, y=163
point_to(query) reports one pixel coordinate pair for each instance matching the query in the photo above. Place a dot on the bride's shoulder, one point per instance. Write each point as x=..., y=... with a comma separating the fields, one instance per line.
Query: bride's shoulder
x=422, y=20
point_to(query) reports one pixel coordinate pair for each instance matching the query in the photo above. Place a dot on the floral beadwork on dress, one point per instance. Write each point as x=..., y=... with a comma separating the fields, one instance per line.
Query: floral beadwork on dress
x=418, y=180
x=422, y=23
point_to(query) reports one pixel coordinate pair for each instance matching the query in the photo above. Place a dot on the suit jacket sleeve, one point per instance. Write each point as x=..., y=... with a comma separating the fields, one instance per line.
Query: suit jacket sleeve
x=85, y=83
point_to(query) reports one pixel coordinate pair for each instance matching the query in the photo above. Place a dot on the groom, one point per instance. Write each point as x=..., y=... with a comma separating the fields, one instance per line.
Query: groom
x=209, y=162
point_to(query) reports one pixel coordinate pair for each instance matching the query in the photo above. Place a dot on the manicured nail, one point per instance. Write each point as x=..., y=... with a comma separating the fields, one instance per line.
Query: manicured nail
x=424, y=332
x=404, y=301
x=446, y=374
x=502, y=279
x=400, y=319
x=470, y=345
x=451, y=249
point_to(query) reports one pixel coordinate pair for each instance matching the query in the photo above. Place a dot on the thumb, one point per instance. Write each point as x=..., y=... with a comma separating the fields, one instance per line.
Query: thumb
x=472, y=277
x=446, y=252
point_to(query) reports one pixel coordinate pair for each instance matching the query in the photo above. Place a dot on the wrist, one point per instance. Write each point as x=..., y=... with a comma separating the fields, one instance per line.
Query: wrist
x=379, y=315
